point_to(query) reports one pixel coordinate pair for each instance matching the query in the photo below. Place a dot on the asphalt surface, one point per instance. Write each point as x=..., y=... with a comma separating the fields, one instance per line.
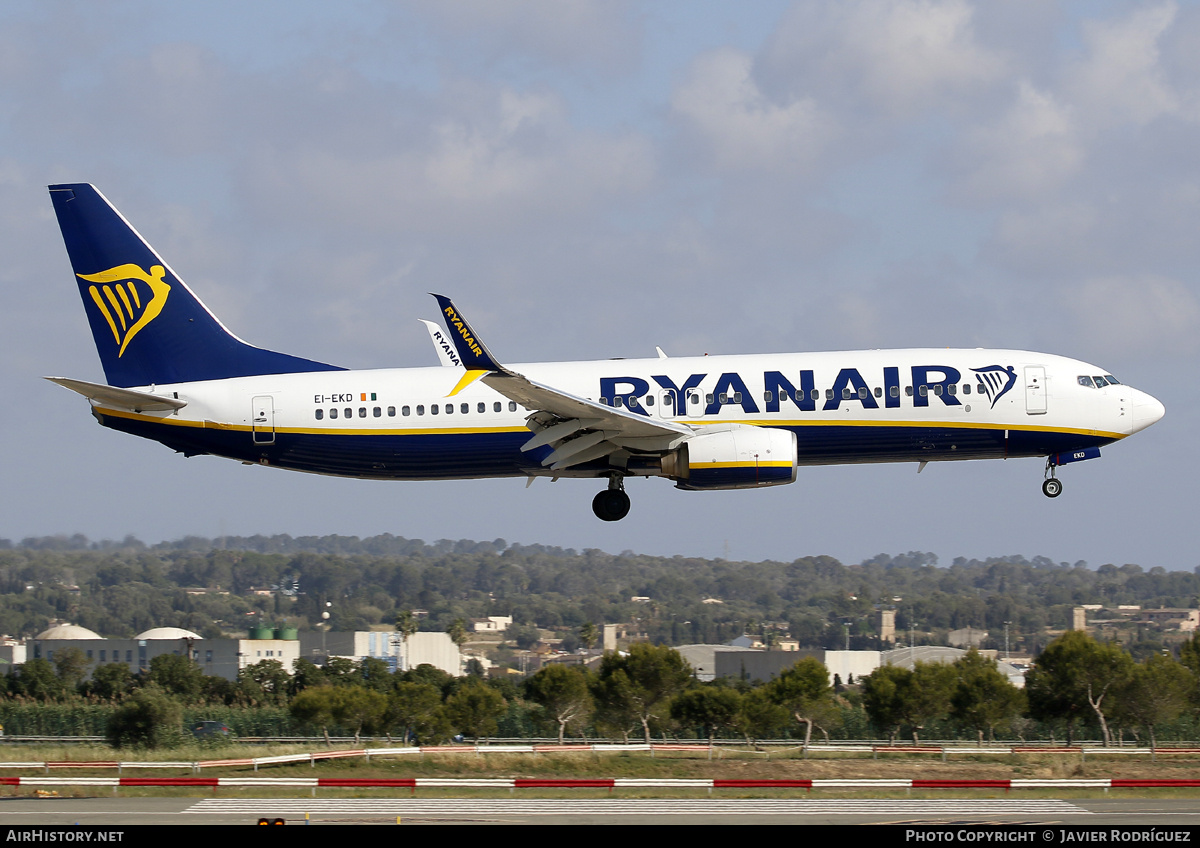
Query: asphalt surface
x=132, y=813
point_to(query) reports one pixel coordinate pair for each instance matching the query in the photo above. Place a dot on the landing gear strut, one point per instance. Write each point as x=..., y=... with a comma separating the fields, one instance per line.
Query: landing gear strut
x=1051, y=486
x=612, y=504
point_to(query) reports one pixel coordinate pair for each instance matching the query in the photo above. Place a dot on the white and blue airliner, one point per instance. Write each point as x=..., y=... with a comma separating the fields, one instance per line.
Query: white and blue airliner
x=176, y=375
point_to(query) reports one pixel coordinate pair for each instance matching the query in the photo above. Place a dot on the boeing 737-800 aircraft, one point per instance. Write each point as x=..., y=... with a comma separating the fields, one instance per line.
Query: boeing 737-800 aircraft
x=177, y=376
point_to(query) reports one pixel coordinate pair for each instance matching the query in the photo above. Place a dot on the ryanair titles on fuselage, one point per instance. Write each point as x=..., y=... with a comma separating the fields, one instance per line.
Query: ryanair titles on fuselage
x=926, y=381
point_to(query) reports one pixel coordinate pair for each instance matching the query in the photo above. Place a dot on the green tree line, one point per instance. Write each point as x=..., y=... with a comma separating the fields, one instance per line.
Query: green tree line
x=1078, y=686
x=121, y=588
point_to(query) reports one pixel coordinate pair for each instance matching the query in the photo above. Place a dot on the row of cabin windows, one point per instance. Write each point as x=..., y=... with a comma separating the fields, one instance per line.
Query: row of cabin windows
x=815, y=394
x=406, y=411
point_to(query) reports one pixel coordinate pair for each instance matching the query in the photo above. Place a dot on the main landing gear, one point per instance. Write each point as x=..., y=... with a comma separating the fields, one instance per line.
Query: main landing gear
x=1051, y=486
x=612, y=504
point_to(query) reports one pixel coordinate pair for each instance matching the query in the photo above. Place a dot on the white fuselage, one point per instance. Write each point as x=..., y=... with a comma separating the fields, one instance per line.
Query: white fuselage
x=845, y=407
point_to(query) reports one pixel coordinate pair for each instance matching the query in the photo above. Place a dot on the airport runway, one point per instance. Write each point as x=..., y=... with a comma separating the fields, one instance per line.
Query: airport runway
x=118, y=812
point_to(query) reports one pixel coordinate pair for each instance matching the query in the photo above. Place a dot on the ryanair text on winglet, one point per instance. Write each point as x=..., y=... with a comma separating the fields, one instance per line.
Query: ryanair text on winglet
x=463, y=330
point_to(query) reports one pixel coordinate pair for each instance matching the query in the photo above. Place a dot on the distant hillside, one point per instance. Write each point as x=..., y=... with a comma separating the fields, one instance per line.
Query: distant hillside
x=121, y=588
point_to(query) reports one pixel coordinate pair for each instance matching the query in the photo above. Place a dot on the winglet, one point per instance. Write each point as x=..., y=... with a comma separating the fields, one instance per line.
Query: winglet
x=475, y=356
x=441, y=344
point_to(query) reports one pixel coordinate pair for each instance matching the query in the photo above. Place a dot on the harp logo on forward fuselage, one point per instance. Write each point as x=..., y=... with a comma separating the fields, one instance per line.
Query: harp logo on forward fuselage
x=128, y=298
x=996, y=380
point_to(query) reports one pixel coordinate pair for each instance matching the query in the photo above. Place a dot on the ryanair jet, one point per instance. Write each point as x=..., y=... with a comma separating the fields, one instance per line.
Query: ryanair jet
x=176, y=375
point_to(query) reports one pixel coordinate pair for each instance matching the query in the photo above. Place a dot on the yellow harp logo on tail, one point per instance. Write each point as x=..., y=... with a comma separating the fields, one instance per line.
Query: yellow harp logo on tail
x=128, y=298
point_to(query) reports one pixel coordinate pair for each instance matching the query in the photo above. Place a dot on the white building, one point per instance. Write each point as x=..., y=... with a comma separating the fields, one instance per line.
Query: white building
x=435, y=649
x=217, y=657
x=492, y=624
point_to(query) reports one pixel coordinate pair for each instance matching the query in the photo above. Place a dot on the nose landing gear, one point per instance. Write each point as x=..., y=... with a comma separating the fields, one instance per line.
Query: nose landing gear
x=612, y=504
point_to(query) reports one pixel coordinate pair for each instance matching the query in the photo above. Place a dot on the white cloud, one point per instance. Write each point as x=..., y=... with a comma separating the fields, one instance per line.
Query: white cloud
x=1120, y=79
x=898, y=56
x=511, y=159
x=1144, y=314
x=561, y=32
x=1030, y=151
x=1052, y=237
x=740, y=126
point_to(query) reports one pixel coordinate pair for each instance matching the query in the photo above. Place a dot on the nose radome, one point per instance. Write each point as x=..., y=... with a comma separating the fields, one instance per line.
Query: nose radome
x=1146, y=410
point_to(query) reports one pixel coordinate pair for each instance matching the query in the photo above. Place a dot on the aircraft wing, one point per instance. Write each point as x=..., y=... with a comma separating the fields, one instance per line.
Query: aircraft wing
x=580, y=430
x=115, y=398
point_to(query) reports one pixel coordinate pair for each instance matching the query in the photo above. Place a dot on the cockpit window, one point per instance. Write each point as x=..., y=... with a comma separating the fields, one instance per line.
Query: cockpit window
x=1100, y=382
x=1086, y=381
x=1112, y=381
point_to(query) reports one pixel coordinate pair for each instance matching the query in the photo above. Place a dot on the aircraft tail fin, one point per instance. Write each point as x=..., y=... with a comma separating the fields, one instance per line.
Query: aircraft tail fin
x=148, y=326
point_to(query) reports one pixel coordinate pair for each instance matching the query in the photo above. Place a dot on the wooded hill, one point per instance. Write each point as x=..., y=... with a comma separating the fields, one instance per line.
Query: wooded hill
x=121, y=588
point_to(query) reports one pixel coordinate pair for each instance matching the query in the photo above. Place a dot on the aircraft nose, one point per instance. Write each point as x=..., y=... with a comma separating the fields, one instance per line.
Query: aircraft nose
x=1146, y=411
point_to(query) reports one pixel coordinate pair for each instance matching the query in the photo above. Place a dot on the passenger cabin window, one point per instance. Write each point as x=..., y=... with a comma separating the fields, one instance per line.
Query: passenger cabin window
x=908, y=391
x=320, y=414
x=846, y=393
x=966, y=388
x=434, y=409
x=649, y=400
x=362, y=412
x=512, y=406
x=420, y=409
x=377, y=412
x=464, y=408
x=481, y=407
x=924, y=390
x=348, y=412
x=333, y=413
x=862, y=391
x=405, y=410
x=894, y=391
x=496, y=406
x=878, y=392
x=392, y=411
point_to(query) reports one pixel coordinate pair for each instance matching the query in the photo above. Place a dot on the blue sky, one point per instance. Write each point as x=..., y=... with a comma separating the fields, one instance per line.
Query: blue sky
x=592, y=179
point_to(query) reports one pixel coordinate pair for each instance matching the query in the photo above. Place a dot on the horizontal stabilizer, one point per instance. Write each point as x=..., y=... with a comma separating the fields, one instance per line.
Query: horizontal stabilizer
x=115, y=398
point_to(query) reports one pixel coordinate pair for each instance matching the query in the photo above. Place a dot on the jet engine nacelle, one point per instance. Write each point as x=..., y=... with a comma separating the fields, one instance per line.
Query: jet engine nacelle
x=741, y=457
